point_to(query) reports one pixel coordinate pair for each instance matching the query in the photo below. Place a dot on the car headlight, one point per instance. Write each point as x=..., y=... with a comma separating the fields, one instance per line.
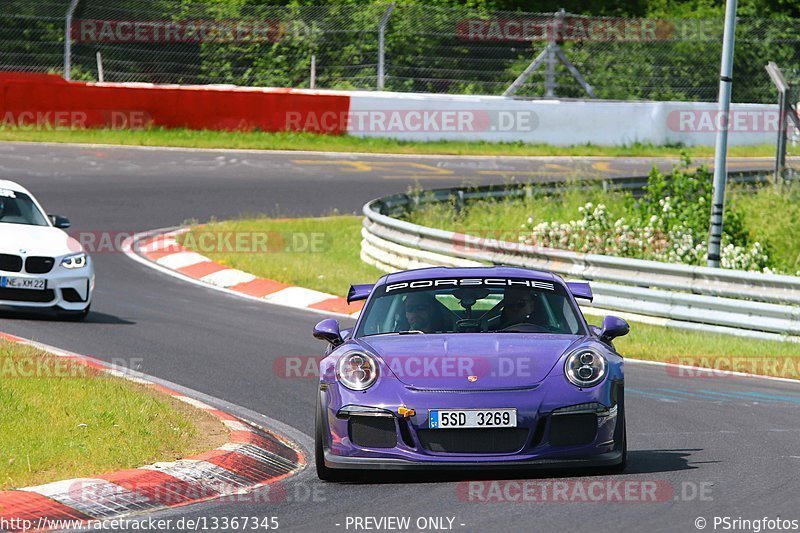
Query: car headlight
x=357, y=370
x=585, y=368
x=74, y=261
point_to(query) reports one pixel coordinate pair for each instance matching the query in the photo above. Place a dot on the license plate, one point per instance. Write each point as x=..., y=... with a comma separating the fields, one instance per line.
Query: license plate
x=472, y=418
x=23, y=283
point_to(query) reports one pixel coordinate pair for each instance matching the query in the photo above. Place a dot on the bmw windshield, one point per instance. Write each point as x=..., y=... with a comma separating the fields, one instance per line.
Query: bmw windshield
x=470, y=306
x=18, y=208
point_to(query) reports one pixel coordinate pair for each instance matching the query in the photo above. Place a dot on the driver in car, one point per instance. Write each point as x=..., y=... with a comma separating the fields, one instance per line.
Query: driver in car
x=420, y=312
x=518, y=304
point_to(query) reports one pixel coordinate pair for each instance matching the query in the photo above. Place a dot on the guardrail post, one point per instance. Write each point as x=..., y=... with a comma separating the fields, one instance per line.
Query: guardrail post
x=459, y=201
x=382, y=46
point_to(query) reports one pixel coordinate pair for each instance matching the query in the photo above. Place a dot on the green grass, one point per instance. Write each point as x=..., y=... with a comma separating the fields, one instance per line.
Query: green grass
x=316, y=253
x=773, y=215
x=333, y=269
x=501, y=219
x=344, y=143
x=62, y=421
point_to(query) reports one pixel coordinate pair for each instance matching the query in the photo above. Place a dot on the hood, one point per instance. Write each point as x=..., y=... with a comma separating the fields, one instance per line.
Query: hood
x=36, y=240
x=499, y=360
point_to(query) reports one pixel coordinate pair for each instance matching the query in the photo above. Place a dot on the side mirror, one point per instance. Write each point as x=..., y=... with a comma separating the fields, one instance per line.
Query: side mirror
x=60, y=222
x=613, y=327
x=328, y=330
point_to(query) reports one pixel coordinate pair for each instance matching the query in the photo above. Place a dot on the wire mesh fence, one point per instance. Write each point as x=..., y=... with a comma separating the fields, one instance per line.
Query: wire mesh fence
x=425, y=49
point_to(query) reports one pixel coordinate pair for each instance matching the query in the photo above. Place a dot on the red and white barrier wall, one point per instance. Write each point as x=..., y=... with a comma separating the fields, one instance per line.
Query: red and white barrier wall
x=555, y=122
x=28, y=99
x=41, y=100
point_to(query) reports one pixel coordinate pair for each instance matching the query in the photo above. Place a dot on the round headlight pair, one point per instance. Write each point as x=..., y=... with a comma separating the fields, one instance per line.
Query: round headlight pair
x=357, y=371
x=585, y=368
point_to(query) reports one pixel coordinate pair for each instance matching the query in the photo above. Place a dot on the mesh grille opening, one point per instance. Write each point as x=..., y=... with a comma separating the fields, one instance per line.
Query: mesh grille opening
x=479, y=440
x=373, y=431
x=39, y=265
x=10, y=263
x=573, y=430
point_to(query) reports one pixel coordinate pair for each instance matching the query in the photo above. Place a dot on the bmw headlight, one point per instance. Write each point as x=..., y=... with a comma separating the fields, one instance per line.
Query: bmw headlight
x=585, y=368
x=74, y=261
x=357, y=370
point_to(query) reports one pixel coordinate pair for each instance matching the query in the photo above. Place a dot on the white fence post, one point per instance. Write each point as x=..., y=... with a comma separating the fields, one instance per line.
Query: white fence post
x=382, y=46
x=73, y=5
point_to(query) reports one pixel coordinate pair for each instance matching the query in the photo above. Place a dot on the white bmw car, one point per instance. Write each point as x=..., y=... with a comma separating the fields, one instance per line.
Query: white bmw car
x=40, y=265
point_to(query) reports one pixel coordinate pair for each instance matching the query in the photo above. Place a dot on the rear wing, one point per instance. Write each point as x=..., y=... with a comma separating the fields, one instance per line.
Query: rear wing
x=359, y=292
x=580, y=289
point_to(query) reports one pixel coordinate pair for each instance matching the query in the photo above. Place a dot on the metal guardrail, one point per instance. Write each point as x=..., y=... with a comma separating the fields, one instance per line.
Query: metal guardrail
x=745, y=303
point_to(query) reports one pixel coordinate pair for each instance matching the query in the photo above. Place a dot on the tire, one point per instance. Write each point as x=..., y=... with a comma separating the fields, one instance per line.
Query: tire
x=621, y=435
x=323, y=472
x=72, y=316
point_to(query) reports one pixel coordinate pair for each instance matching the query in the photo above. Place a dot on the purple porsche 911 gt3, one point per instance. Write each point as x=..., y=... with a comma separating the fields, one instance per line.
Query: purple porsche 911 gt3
x=463, y=368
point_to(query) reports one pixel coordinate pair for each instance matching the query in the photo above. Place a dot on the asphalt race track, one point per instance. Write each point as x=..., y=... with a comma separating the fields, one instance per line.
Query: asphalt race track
x=713, y=446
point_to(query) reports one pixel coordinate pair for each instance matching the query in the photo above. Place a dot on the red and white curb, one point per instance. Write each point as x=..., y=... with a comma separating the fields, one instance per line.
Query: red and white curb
x=254, y=457
x=161, y=250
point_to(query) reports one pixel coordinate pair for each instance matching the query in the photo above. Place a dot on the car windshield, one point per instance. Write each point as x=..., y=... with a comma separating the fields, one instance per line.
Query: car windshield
x=470, y=306
x=18, y=208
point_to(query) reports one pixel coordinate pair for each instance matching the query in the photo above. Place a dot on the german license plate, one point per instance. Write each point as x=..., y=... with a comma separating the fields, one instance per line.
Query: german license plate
x=23, y=283
x=472, y=418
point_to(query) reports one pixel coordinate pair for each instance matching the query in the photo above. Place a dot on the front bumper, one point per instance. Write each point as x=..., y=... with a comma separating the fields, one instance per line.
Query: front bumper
x=612, y=458
x=546, y=442
x=70, y=290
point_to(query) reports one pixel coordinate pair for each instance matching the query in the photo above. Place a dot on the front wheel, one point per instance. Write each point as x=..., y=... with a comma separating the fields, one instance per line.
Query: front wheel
x=323, y=472
x=621, y=436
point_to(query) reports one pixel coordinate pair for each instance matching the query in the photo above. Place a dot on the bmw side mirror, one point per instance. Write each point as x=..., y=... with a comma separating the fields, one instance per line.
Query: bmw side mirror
x=60, y=222
x=613, y=327
x=328, y=330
